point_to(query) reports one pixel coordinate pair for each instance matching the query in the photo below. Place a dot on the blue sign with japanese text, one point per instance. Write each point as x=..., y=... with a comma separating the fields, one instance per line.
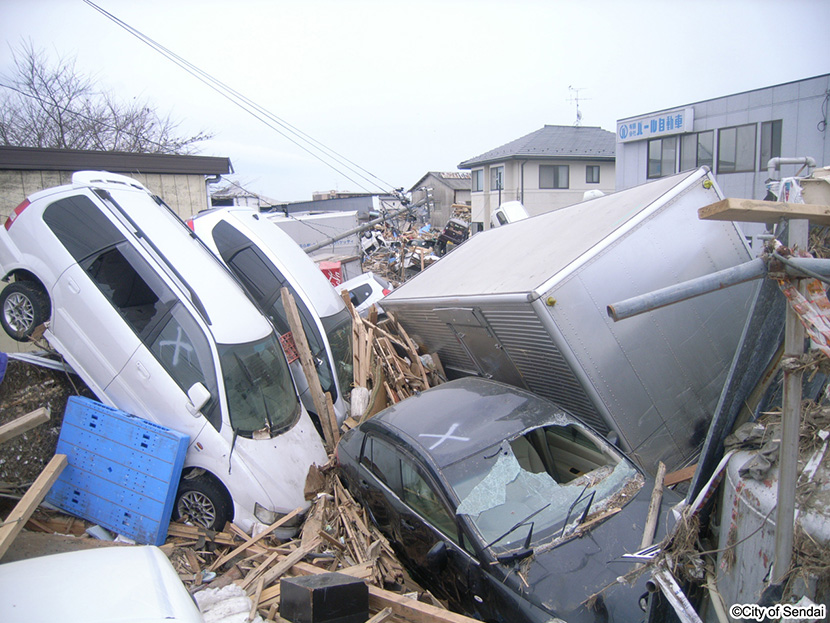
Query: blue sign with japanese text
x=651, y=126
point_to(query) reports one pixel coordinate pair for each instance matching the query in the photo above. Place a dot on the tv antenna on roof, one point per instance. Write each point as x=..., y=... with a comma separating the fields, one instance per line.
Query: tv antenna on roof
x=575, y=98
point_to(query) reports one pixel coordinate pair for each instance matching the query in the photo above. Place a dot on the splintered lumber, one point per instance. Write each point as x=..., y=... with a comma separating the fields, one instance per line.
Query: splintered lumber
x=23, y=423
x=324, y=411
x=287, y=562
x=281, y=521
x=411, y=609
x=402, y=607
x=755, y=211
x=30, y=501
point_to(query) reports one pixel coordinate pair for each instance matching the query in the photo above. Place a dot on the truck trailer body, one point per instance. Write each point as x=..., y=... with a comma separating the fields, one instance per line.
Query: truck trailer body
x=526, y=305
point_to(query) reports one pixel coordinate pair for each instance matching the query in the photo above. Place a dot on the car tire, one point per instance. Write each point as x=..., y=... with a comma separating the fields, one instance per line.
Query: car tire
x=202, y=501
x=24, y=306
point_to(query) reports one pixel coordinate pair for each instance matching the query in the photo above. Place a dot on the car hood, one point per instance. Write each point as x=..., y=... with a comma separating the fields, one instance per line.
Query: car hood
x=560, y=578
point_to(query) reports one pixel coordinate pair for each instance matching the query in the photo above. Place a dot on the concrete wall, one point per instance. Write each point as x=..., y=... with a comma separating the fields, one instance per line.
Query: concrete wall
x=186, y=194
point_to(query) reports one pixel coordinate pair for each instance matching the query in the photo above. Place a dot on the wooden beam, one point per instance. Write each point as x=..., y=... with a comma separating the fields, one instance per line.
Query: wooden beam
x=23, y=423
x=309, y=369
x=403, y=607
x=254, y=539
x=681, y=475
x=30, y=501
x=756, y=211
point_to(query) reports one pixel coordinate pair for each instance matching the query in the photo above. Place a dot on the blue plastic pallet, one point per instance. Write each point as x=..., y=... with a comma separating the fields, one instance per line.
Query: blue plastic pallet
x=122, y=471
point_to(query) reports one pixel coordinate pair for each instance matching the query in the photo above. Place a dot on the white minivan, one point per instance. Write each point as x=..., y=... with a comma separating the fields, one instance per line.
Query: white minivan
x=157, y=327
x=266, y=259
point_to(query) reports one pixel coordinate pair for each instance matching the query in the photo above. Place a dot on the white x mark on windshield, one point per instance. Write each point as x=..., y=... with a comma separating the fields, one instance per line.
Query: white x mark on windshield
x=444, y=437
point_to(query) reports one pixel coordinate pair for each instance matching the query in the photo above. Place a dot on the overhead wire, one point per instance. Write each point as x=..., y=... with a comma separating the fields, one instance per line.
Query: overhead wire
x=260, y=113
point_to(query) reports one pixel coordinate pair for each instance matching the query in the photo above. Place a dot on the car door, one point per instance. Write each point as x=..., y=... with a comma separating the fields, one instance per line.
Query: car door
x=88, y=331
x=406, y=503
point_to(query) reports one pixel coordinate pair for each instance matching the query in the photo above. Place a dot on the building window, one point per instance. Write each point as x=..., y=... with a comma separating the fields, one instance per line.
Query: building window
x=770, y=142
x=496, y=178
x=592, y=174
x=697, y=150
x=554, y=176
x=478, y=180
x=662, y=157
x=736, y=149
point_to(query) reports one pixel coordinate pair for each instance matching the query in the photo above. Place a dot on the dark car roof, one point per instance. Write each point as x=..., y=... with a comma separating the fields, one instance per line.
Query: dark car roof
x=457, y=419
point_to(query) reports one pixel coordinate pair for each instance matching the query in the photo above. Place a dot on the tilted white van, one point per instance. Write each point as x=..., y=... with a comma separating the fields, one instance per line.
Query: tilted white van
x=265, y=259
x=157, y=327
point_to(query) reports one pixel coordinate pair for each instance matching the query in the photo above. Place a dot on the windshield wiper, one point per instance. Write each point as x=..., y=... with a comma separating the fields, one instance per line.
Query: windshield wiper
x=250, y=378
x=525, y=551
x=584, y=513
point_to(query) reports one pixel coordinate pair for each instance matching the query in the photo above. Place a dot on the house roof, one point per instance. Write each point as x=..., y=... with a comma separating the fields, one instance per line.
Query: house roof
x=39, y=159
x=456, y=180
x=553, y=141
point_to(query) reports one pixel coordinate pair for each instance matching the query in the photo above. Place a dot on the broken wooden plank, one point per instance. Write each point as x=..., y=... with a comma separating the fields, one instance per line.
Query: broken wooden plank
x=756, y=211
x=411, y=609
x=681, y=475
x=382, y=616
x=29, y=502
x=309, y=369
x=281, y=521
x=23, y=423
x=289, y=561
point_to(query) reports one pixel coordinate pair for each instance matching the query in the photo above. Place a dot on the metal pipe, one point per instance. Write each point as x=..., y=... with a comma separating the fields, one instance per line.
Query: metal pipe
x=734, y=275
x=774, y=164
x=754, y=269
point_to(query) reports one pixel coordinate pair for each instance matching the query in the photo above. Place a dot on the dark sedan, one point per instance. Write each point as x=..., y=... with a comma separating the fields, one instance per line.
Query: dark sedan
x=502, y=503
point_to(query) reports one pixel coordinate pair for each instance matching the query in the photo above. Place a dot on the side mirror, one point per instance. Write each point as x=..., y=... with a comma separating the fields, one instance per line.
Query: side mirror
x=197, y=395
x=437, y=557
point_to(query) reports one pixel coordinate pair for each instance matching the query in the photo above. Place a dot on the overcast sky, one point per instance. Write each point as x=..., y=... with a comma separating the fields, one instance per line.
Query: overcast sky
x=402, y=88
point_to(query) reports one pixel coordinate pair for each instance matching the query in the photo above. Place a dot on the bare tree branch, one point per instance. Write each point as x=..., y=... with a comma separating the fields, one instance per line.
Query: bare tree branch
x=54, y=105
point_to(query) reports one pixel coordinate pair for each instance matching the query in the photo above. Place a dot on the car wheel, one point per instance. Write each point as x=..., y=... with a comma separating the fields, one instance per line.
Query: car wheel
x=202, y=501
x=24, y=306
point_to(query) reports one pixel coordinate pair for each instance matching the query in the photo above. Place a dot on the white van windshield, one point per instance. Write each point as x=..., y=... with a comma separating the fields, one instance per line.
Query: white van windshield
x=338, y=328
x=261, y=397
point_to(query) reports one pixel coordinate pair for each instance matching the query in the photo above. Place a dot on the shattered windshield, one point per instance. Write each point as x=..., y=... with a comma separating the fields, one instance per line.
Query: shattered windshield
x=544, y=483
x=261, y=397
x=338, y=329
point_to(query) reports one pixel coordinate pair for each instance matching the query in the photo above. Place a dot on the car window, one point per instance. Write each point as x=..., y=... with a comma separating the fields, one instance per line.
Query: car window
x=182, y=348
x=400, y=474
x=381, y=459
x=125, y=279
x=360, y=293
x=80, y=226
x=263, y=280
x=419, y=494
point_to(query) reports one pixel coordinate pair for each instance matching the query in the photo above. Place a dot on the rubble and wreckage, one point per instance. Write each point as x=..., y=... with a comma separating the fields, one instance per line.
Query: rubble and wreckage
x=695, y=573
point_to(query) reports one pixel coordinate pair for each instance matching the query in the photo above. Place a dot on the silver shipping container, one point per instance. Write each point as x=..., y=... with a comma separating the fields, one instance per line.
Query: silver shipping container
x=526, y=304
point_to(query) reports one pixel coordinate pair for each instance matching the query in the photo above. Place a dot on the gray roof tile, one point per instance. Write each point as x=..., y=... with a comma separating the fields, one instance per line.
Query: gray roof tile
x=553, y=141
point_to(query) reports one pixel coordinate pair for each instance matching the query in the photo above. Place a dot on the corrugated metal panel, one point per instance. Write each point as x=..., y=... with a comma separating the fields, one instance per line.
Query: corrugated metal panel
x=540, y=362
x=424, y=327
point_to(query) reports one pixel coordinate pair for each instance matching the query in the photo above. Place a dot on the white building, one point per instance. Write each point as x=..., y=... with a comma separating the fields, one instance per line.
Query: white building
x=546, y=170
x=735, y=135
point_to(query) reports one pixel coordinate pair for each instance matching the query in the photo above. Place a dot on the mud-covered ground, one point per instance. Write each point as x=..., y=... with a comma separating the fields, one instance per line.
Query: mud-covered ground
x=24, y=388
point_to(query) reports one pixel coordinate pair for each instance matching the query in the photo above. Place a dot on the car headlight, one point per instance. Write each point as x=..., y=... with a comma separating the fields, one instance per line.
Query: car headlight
x=268, y=517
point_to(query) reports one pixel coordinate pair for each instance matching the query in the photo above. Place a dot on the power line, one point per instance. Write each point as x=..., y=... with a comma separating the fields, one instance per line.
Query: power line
x=255, y=110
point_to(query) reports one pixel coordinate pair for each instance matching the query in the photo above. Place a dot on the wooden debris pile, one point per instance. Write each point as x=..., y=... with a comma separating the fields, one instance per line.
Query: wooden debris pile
x=387, y=365
x=336, y=536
